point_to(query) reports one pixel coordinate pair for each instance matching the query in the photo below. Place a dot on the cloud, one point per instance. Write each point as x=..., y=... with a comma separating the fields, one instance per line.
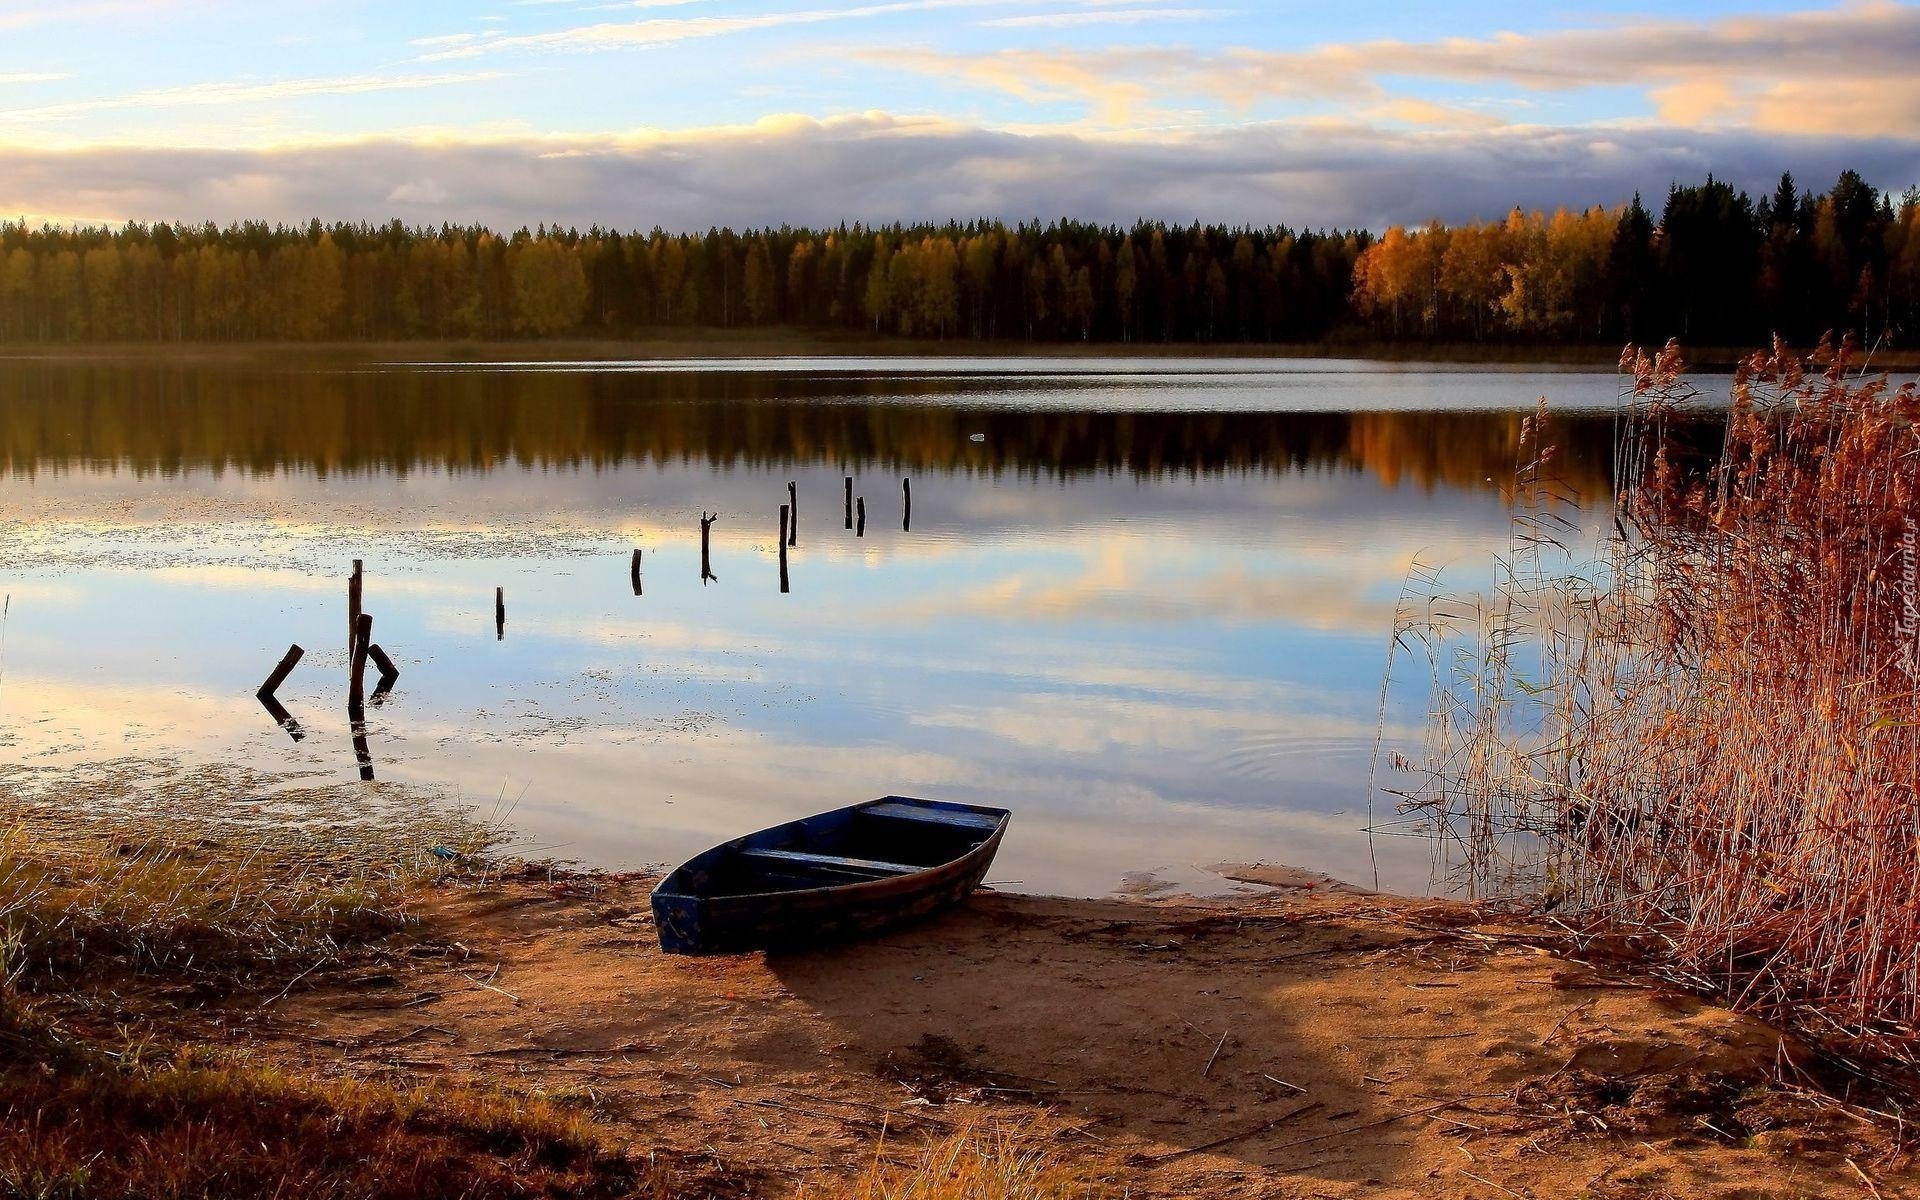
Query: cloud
x=1844, y=71
x=653, y=32
x=87, y=13
x=1110, y=16
x=241, y=92
x=878, y=168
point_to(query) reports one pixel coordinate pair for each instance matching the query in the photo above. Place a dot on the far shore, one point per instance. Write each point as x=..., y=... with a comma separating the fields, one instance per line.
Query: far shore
x=718, y=343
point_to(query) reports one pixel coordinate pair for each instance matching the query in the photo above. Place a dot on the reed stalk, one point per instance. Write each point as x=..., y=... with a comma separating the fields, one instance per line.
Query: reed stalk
x=1706, y=731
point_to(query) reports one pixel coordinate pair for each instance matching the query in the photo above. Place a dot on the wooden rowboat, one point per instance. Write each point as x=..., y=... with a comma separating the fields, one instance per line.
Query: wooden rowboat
x=843, y=874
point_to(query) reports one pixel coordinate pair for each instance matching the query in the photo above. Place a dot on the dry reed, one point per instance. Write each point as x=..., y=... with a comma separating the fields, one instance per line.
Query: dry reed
x=1707, y=734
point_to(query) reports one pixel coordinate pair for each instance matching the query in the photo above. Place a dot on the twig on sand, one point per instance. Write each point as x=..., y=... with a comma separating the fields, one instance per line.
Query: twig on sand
x=1569, y=1015
x=842, y=1118
x=1151, y=1159
x=1342, y=1132
x=490, y=987
x=1208, y=1069
x=879, y=1108
x=1490, y=1183
x=282, y=993
x=1855, y=1168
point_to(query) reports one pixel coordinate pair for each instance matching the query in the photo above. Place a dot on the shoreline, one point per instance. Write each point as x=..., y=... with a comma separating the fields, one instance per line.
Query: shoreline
x=520, y=1022
x=1346, y=1044
x=719, y=344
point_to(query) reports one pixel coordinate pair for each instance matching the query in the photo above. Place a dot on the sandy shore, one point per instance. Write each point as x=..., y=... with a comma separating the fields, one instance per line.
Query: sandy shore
x=1305, y=1044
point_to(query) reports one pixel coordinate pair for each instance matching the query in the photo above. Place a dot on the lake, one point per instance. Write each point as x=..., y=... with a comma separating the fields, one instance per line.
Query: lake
x=1144, y=603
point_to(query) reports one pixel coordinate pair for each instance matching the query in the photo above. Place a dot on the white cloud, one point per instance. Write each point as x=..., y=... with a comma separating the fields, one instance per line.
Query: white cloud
x=653, y=32
x=876, y=167
x=242, y=92
x=1844, y=71
x=1111, y=16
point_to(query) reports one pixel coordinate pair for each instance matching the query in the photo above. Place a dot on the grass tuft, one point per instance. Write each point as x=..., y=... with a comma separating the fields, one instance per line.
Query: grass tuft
x=985, y=1161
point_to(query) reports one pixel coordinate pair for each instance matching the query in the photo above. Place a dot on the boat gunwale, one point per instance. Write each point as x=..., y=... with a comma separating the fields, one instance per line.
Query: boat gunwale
x=988, y=844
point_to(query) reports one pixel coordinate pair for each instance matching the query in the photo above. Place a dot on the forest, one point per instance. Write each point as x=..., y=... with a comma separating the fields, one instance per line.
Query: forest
x=1713, y=266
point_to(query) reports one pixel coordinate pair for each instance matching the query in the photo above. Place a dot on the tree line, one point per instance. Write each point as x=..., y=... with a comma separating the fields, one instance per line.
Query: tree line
x=1713, y=266
x=165, y=418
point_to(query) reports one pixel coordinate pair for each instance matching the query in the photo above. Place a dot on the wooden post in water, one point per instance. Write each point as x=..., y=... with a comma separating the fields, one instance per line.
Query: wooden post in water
x=706, y=547
x=860, y=511
x=636, y=572
x=500, y=614
x=389, y=674
x=786, y=528
x=353, y=604
x=356, y=694
x=793, y=517
x=906, y=506
x=279, y=713
x=357, y=677
x=849, y=502
x=362, y=752
x=279, y=676
x=268, y=701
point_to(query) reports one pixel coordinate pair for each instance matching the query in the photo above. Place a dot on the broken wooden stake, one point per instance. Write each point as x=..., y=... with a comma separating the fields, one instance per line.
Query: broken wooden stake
x=389, y=674
x=786, y=528
x=353, y=604
x=362, y=753
x=906, y=506
x=279, y=676
x=706, y=547
x=357, y=673
x=281, y=716
x=849, y=502
x=860, y=510
x=793, y=519
x=265, y=695
x=499, y=614
x=636, y=572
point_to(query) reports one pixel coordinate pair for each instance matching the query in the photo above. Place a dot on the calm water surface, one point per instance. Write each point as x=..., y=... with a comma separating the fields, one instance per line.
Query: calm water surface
x=1144, y=604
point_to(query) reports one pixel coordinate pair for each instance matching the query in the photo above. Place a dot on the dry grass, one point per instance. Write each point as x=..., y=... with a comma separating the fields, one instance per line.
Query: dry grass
x=986, y=1161
x=1709, y=734
x=157, y=907
x=201, y=1125
x=106, y=1090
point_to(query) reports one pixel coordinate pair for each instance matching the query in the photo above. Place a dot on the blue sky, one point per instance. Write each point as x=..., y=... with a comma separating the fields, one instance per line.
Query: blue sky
x=689, y=112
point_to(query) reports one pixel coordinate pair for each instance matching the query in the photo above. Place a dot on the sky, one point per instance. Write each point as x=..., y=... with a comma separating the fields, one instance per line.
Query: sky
x=684, y=114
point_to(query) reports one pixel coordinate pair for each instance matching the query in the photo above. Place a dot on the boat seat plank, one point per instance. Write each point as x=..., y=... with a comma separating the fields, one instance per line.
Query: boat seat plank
x=933, y=816
x=799, y=858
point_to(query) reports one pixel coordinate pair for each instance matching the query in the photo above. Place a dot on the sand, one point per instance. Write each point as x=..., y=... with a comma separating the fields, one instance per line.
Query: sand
x=1306, y=1044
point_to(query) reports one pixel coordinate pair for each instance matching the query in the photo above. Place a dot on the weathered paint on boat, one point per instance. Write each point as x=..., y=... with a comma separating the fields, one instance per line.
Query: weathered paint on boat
x=843, y=874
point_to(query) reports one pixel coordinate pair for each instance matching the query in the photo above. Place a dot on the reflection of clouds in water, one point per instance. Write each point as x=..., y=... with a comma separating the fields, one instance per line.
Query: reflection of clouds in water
x=1129, y=579
x=1151, y=669
x=1104, y=725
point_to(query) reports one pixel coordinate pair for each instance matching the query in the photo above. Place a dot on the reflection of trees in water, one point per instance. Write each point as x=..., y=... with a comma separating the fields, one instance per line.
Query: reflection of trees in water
x=167, y=419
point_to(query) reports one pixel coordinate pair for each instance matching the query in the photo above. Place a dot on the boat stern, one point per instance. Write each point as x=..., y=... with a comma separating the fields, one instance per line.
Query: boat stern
x=680, y=921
